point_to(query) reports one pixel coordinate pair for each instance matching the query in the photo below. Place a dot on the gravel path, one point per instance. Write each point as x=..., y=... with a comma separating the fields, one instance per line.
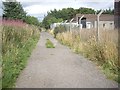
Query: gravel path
x=59, y=67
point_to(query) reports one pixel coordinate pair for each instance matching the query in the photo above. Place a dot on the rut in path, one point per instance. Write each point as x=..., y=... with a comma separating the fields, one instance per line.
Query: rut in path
x=59, y=67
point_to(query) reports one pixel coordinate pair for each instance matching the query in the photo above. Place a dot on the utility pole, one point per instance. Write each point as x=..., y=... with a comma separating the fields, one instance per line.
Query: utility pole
x=98, y=19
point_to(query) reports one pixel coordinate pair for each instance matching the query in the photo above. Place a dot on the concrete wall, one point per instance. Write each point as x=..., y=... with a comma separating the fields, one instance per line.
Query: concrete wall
x=105, y=25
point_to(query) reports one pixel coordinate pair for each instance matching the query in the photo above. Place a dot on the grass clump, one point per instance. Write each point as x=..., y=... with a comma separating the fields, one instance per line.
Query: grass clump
x=18, y=41
x=49, y=44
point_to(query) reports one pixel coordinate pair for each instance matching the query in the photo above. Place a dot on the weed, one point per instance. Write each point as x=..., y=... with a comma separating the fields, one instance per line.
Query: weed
x=49, y=44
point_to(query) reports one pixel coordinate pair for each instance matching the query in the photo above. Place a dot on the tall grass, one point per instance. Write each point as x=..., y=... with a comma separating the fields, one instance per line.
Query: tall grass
x=18, y=40
x=104, y=52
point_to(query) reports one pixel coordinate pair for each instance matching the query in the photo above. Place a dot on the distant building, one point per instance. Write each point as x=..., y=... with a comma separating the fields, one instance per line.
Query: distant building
x=90, y=21
x=53, y=25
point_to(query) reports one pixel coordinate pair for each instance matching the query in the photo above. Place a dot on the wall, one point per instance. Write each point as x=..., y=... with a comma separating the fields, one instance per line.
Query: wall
x=106, y=25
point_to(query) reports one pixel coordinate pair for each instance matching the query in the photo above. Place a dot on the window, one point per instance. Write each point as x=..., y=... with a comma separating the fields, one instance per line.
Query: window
x=111, y=23
x=104, y=25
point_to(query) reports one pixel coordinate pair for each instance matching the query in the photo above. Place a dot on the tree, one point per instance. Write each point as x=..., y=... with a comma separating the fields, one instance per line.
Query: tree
x=32, y=20
x=65, y=14
x=107, y=11
x=84, y=10
x=48, y=20
x=13, y=10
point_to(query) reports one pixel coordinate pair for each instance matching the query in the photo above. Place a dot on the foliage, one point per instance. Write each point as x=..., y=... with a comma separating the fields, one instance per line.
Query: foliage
x=13, y=10
x=104, y=53
x=68, y=14
x=59, y=29
x=18, y=40
x=64, y=14
x=107, y=11
x=84, y=10
x=32, y=20
x=49, y=44
x=49, y=20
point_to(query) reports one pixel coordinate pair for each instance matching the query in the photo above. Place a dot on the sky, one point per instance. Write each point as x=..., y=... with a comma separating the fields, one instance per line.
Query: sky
x=39, y=8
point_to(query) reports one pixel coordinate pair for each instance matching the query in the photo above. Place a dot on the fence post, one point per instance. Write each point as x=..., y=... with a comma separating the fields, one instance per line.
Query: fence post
x=71, y=23
x=97, y=32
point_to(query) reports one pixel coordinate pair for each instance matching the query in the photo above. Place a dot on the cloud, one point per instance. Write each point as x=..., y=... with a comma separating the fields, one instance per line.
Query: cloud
x=39, y=8
x=1, y=11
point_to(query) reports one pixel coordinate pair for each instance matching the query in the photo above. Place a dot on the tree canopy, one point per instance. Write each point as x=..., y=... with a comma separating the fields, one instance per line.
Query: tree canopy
x=69, y=13
x=13, y=10
x=64, y=14
x=32, y=20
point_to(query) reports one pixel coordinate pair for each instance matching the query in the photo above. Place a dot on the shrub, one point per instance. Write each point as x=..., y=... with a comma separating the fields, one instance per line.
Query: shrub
x=59, y=29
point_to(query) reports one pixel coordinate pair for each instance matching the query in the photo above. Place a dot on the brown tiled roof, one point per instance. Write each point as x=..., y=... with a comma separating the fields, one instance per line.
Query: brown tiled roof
x=93, y=17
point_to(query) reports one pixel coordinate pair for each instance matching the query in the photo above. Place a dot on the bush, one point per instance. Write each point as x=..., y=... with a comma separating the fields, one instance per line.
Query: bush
x=59, y=29
x=18, y=41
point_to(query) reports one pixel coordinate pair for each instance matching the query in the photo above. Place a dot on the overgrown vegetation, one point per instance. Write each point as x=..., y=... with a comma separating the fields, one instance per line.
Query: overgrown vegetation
x=18, y=40
x=104, y=53
x=49, y=44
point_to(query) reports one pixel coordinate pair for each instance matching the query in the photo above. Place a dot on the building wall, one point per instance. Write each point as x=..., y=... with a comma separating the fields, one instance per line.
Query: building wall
x=106, y=25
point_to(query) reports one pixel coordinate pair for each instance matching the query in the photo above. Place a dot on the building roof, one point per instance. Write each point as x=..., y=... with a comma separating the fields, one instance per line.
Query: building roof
x=93, y=17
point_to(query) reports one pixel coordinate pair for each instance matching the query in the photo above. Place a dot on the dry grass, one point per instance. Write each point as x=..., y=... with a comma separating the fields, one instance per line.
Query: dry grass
x=104, y=52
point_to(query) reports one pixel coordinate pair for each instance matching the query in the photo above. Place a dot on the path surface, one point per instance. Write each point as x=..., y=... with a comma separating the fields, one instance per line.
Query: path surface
x=60, y=68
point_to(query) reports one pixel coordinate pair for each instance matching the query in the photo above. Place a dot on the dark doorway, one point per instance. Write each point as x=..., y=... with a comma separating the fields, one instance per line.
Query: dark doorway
x=83, y=22
x=78, y=20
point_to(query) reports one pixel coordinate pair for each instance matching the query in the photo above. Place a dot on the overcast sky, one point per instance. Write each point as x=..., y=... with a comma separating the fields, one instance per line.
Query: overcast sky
x=39, y=8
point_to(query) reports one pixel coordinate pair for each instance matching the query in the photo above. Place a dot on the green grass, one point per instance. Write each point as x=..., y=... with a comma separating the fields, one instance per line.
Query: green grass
x=49, y=44
x=17, y=45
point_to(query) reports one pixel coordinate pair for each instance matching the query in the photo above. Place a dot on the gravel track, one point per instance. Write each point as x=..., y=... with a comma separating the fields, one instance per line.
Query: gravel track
x=59, y=67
